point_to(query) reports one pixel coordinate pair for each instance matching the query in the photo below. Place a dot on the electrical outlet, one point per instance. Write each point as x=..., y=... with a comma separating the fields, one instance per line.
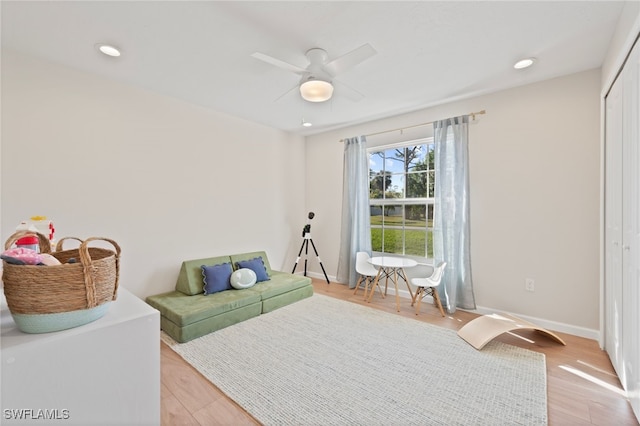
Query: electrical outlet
x=529, y=284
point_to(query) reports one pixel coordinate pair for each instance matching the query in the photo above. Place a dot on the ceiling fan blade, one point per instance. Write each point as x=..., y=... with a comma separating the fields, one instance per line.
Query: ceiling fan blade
x=278, y=63
x=349, y=60
x=347, y=91
x=286, y=93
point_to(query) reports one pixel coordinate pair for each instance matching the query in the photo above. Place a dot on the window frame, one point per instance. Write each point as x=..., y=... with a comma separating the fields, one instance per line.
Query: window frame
x=404, y=202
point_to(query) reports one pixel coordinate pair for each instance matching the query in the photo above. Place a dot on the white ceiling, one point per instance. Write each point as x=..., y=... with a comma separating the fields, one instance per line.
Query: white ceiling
x=428, y=52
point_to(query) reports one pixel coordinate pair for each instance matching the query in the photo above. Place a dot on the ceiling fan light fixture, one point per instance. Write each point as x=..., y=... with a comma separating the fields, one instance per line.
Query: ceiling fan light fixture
x=314, y=90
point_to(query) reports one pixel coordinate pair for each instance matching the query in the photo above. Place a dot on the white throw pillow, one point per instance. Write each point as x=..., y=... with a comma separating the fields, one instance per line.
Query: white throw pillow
x=243, y=278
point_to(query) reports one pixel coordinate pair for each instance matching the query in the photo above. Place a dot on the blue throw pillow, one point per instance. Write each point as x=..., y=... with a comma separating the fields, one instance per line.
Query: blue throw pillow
x=256, y=265
x=216, y=278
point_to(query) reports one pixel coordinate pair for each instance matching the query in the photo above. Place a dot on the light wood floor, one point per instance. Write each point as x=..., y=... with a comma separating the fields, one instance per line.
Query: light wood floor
x=591, y=397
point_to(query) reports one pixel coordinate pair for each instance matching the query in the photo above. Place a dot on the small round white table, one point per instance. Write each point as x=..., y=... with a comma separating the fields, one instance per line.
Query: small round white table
x=392, y=266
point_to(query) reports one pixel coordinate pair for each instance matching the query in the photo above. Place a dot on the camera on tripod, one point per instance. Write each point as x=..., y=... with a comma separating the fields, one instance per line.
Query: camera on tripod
x=306, y=235
x=307, y=228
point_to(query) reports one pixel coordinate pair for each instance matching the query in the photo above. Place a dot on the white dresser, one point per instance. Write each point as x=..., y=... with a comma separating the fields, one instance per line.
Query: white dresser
x=103, y=373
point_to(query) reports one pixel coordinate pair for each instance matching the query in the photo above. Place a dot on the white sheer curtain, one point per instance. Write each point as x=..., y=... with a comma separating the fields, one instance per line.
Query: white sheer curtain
x=451, y=211
x=356, y=222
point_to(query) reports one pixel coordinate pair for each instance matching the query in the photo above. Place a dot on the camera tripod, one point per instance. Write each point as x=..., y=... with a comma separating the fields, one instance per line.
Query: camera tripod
x=306, y=235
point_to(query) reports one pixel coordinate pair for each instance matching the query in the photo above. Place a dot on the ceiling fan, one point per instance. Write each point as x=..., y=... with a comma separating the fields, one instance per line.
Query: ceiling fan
x=317, y=80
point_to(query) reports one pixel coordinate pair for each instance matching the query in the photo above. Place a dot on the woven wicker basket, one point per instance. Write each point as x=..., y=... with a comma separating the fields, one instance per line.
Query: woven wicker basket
x=51, y=298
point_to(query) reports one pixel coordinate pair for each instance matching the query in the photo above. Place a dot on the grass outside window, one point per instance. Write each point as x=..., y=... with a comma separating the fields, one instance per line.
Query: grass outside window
x=417, y=240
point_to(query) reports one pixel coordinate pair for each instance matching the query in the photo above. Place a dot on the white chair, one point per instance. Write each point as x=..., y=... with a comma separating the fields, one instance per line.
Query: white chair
x=366, y=272
x=429, y=287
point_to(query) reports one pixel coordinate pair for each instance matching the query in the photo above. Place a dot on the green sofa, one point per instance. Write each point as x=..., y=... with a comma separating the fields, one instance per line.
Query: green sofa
x=187, y=313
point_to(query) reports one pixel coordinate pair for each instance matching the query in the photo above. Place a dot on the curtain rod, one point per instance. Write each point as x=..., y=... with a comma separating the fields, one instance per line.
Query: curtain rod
x=471, y=114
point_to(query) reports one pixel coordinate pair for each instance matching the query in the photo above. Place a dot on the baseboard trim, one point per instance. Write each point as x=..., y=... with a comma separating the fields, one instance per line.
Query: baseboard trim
x=319, y=276
x=575, y=330
x=547, y=324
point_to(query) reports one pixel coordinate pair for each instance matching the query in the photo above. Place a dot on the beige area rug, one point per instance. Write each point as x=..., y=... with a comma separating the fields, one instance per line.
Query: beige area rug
x=324, y=361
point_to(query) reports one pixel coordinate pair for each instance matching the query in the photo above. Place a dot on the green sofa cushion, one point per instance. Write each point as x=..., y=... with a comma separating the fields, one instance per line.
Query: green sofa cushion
x=287, y=298
x=183, y=310
x=280, y=282
x=190, y=276
x=208, y=325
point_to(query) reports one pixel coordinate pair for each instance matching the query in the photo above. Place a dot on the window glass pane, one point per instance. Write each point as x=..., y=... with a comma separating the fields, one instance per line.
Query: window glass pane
x=415, y=242
x=416, y=157
x=431, y=178
x=376, y=239
x=430, y=216
x=394, y=160
x=416, y=216
x=392, y=215
x=415, y=229
x=395, y=188
x=377, y=183
x=376, y=163
x=376, y=215
x=393, y=221
x=429, y=244
x=417, y=185
x=430, y=156
x=393, y=240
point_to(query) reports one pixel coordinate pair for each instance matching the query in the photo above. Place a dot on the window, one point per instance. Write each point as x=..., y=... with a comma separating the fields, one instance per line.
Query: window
x=401, y=190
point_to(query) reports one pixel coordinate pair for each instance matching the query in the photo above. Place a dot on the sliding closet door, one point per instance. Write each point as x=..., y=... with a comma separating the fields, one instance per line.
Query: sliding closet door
x=613, y=227
x=622, y=227
x=631, y=227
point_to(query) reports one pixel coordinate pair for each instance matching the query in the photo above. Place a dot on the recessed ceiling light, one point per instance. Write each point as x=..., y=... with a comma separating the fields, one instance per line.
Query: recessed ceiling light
x=305, y=123
x=108, y=50
x=524, y=63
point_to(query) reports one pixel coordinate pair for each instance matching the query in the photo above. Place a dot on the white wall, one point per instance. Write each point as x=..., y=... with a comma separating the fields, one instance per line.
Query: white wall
x=534, y=171
x=169, y=181
x=172, y=181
